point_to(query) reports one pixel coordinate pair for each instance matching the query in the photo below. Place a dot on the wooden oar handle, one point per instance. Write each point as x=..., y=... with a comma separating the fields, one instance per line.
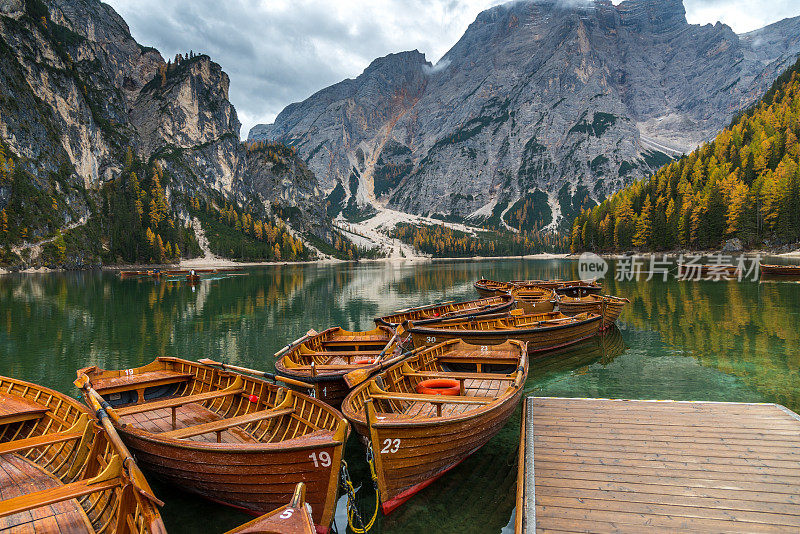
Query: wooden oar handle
x=99, y=403
x=293, y=381
x=296, y=342
x=271, y=376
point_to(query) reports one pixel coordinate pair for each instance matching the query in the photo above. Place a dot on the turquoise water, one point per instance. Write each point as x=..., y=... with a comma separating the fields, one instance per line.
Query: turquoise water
x=724, y=341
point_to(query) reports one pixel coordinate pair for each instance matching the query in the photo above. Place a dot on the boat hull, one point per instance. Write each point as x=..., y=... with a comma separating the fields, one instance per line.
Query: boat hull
x=334, y=352
x=538, y=339
x=530, y=307
x=416, y=439
x=484, y=292
x=329, y=388
x=426, y=451
x=475, y=308
x=780, y=270
x=256, y=462
x=256, y=481
x=613, y=309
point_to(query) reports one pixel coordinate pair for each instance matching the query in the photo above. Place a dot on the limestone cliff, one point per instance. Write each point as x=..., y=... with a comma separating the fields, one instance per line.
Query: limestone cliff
x=540, y=99
x=78, y=94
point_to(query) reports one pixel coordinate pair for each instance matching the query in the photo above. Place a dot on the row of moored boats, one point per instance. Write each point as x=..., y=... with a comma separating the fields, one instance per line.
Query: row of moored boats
x=424, y=389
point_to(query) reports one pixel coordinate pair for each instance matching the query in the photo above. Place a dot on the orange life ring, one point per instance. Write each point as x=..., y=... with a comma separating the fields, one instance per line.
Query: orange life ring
x=439, y=386
x=364, y=362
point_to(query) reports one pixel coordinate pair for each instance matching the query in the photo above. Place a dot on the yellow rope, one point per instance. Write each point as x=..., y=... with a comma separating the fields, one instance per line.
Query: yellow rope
x=351, y=503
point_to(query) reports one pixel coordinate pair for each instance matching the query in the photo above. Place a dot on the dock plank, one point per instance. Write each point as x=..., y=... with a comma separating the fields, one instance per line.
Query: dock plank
x=604, y=465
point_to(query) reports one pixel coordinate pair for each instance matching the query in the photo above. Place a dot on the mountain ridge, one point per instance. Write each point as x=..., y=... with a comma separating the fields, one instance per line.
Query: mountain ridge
x=534, y=99
x=84, y=108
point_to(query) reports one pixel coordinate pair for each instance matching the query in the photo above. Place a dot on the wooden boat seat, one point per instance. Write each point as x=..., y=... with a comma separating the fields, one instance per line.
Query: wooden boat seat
x=433, y=399
x=357, y=340
x=476, y=358
x=177, y=401
x=105, y=386
x=225, y=424
x=14, y=409
x=38, y=441
x=22, y=481
x=60, y=493
x=343, y=353
x=188, y=415
x=461, y=376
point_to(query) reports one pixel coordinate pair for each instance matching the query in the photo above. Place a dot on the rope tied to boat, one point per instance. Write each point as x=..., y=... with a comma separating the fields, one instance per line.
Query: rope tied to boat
x=354, y=519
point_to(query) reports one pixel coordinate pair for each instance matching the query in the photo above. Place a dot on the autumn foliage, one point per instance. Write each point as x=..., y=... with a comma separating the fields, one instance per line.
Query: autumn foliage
x=745, y=184
x=442, y=241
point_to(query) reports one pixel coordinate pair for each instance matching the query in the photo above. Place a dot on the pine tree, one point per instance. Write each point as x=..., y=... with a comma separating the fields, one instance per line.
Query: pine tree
x=159, y=249
x=643, y=225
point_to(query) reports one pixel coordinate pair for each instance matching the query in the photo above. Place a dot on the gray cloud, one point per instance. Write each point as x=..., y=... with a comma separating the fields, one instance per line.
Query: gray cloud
x=281, y=51
x=741, y=15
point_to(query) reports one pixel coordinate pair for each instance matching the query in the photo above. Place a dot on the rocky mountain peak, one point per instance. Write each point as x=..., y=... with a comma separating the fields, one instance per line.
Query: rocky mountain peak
x=550, y=103
x=398, y=62
x=185, y=105
x=85, y=104
x=653, y=15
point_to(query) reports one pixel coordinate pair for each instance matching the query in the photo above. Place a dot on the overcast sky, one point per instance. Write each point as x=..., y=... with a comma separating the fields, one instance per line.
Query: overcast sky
x=281, y=51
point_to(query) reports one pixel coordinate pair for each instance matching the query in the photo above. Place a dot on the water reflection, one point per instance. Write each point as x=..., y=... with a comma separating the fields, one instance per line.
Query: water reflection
x=680, y=340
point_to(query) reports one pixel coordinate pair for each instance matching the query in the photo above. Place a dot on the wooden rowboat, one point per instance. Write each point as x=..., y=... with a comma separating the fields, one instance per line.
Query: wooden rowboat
x=542, y=332
x=294, y=518
x=61, y=472
x=229, y=438
x=534, y=299
x=780, y=270
x=417, y=437
x=609, y=307
x=323, y=359
x=484, y=306
x=578, y=288
x=544, y=284
x=492, y=288
x=573, y=288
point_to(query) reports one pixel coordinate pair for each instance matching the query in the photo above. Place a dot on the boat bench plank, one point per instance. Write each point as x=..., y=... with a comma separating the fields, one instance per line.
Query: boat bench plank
x=67, y=492
x=14, y=409
x=148, y=379
x=18, y=477
x=38, y=441
x=224, y=424
x=435, y=399
x=343, y=352
x=176, y=401
x=461, y=376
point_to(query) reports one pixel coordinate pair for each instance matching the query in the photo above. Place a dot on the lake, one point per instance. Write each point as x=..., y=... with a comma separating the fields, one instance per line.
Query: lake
x=717, y=341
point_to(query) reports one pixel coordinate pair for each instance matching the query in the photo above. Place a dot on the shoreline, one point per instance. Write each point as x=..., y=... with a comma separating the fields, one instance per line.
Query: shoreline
x=221, y=263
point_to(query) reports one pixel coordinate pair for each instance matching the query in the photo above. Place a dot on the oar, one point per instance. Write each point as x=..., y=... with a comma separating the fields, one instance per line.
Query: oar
x=85, y=384
x=271, y=376
x=296, y=342
x=354, y=378
x=103, y=412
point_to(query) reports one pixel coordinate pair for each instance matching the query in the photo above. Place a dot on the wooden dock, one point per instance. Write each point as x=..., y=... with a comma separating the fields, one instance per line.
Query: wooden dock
x=599, y=465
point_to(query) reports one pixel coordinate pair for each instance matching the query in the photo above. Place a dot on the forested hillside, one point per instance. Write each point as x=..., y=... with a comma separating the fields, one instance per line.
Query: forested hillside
x=442, y=241
x=745, y=184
